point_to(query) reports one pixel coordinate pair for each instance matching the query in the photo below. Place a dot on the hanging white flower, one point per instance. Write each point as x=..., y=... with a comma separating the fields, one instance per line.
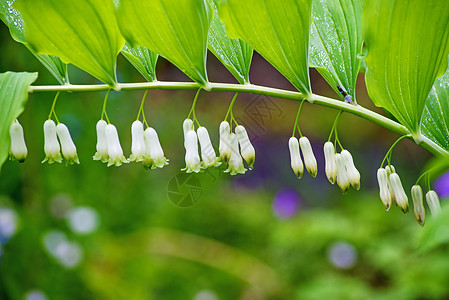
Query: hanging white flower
x=384, y=189
x=342, y=176
x=309, y=157
x=235, y=164
x=102, y=144
x=433, y=201
x=295, y=157
x=225, y=141
x=418, y=207
x=68, y=148
x=154, y=155
x=18, y=150
x=330, y=163
x=246, y=148
x=390, y=170
x=115, y=152
x=399, y=193
x=51, y=145
x=208, y=155
x=187, y=125
x=352, y=172
x=137, y=142
x=193, y=162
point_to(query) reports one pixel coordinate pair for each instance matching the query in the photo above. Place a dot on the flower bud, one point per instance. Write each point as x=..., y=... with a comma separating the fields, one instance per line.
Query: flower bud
x=384, y=189
x=187, y=125
x=246, y=148
x=330, y=163
x=433, y=202
x=390, y=170
x=67, y=146
x=137, y=142
x=225, y=141
x=51, y=145
x=102, y=144
x=193, y=163
x=115, y=152
x=309, y=157
x=207, y=150
x=154, y=155
x=295, y=157
x=235, y=165
x=418, y=207
x=399, y=193
x=342, y=176
x=351, y=170
x=18, y=149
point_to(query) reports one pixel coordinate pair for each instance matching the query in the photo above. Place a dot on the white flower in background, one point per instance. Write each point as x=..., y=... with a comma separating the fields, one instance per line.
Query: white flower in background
x=235, y=164
x=433, y=202
x=384, y=189
x=295, y=157
x=399, y=193
x=342, y=176
x=330, y=162
x=351, y=170
x=137, y=142
x=102, y=144
x=418, y=207
x=309, y=157
x=115, y=152
x=51, y=145
x=246, y=148
x=68, y=148
x=193, y=162
x=390, y=170
x=18, y=150
x=225, y=141
x=154, y=155
x=208, y=155
x=187, y=125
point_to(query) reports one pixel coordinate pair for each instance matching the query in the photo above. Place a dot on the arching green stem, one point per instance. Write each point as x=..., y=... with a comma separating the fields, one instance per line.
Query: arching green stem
x=388, y=155
x=103, y=113
x=52, y=110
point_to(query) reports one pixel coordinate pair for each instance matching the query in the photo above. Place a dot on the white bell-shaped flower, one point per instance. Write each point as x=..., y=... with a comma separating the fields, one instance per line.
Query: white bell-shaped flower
x=295, y=157
x=384, y=189
x=225, y=141
x=137, y=142
x=433, y=201
x=51, y=145
x=235, y=164
x=390, y=170
x=399, y=193
x=418, y=207
x=246, y=148
x=208, y=155
x=115, y=151
x=68, y=148
x=330, y=162
x=342, y=175
x=154, y=155
x=309, y=157
x=102, y=144
x=352, y=172
x=187, y=125
x=193, y=162
x=18, y=150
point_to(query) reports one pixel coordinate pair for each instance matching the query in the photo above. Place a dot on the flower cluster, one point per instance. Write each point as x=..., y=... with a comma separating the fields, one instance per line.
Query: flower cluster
x=307, y=153
x=234, y=147
x=18, y=150
x=53, y=147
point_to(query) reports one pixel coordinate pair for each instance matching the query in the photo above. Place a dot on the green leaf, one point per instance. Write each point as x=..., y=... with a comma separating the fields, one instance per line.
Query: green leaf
x=177, y=30
x=435, y=121
x=235, y=54
x=82, y=32
x=11, y=17
x=279, y=31
x=335, y=42
x=142, y=59
x=13, y=97
x=408, y=45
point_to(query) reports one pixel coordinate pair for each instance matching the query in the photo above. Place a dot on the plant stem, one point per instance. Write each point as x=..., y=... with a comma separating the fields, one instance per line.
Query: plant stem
x=388, y=155
x=52, y=110
x=334, y=126
x=231, y=106
x=103, y=112
x=296, y=126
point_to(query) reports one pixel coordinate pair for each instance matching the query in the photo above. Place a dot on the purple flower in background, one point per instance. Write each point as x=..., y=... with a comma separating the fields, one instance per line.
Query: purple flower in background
x=441, y=185
x=286, y=203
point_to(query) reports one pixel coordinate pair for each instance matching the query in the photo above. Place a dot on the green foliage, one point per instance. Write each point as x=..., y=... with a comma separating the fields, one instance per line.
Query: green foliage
x=177, y=30
x=13, y=97
x=280, y=33
x=142, y=59
x=83, y=33
x=408, y=46
x=336, y=41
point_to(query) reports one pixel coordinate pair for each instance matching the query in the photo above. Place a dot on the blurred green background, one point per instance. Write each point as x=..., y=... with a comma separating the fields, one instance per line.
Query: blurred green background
x=92, y=232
